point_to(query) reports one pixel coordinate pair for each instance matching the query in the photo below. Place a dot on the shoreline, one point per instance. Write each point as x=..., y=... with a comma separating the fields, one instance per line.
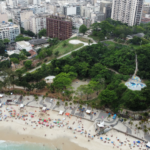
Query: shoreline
x=18, y=130
x=59, y=143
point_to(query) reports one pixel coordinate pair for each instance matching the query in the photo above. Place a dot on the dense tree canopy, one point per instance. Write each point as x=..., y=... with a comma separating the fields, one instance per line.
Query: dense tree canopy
x=22, y=38
x=82, y=29
x=111, y=28
x=42, y=33
x=2, y=47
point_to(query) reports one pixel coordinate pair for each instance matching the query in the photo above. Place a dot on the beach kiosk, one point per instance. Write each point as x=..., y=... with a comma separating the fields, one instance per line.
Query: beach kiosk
x=1, y=95
x=101, y=125
x=44, y=108
x=88, y=112
x=148, y=145
x=21, y=106
x=61, y=112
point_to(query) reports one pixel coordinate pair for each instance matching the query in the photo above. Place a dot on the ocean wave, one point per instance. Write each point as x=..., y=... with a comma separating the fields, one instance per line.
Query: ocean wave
x=2, y=141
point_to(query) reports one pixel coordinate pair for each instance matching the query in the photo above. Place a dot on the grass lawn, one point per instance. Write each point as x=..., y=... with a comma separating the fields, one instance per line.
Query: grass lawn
x=95, y=38
x=109, y=43
x=65, y=49
x=130, y=45
x=82, y=39
x=90, y=102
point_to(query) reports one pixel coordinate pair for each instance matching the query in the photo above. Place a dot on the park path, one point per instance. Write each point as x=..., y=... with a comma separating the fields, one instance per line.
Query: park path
x=85, y=44
x=113, y=70
x=136, y=67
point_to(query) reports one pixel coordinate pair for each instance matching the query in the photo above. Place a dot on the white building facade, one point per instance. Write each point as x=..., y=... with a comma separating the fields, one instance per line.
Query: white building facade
x=9, y=31
x=127, y=11
x=38, y=22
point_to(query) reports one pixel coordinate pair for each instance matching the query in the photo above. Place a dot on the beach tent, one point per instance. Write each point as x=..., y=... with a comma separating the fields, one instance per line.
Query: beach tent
x=44, y=108
x=1, y=95
x=101, y=125
x=88, y=111
x=61, y=112
x=148, y=144
x=21, y=105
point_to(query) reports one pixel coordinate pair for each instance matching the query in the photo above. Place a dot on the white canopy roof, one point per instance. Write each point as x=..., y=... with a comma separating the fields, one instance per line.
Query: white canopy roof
x=49, y=79
x=148, y=144
x=21, y=105
x=44, y=108
x=61, y=112
x=101, y=125
x=0, y=104
x=1, y=95
x=88, y=111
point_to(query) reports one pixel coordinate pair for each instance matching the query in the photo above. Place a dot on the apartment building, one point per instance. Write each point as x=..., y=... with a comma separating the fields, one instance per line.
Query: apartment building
x=146, y=9
x=3, y=17
x=9, y=31
x=127, y=11
x=37, y=9
x=71, y=10
x=24, y=17
x=37, y=22
x=2, y=7
x=59, y=27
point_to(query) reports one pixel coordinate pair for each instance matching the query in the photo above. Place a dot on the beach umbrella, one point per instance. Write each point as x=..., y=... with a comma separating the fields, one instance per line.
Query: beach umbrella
x=74, y=128
x=101, y=138
x=64, y=118
x=57, y=121
x=119, y=144
x=67, y=114
x=54, y=121
x=112, y=142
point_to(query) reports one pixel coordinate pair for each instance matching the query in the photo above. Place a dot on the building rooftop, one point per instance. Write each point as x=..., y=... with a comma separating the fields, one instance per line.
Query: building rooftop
x=4, y=24
x=37, y=41
x=59, y=17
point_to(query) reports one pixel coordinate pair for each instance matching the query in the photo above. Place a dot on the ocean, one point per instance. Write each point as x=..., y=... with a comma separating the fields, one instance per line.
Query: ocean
x=24, y=146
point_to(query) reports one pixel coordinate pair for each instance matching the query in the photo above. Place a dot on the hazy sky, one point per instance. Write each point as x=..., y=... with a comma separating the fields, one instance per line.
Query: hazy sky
x=147, y=1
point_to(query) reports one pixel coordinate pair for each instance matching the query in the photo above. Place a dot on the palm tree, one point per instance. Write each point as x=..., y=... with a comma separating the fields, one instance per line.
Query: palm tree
x=80, y=106
x=140, y=123
x=136, y=125
x=36, y=98
x=74, y=102
x=58, y=103
x=70, y=104
x=89, y=41
x=66, y=103
x=131, y=124
x=46, y=94
x=28, y=94
x=108, y=116
x=139, y=128
x=145, y=131
x=124, y=120
x=148, y=129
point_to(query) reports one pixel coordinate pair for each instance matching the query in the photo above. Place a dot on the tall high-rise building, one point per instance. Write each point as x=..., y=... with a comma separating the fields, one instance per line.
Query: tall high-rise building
x=59, y=27
x=127, y=11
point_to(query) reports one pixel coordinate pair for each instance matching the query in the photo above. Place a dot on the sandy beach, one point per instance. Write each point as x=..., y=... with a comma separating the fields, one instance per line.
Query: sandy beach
x=18, y=129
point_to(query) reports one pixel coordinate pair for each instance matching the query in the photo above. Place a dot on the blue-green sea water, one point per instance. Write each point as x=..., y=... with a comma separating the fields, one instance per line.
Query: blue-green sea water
x=23, y=146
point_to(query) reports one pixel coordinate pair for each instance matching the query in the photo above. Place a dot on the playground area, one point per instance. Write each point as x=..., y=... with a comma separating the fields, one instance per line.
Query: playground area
x=135, y=84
